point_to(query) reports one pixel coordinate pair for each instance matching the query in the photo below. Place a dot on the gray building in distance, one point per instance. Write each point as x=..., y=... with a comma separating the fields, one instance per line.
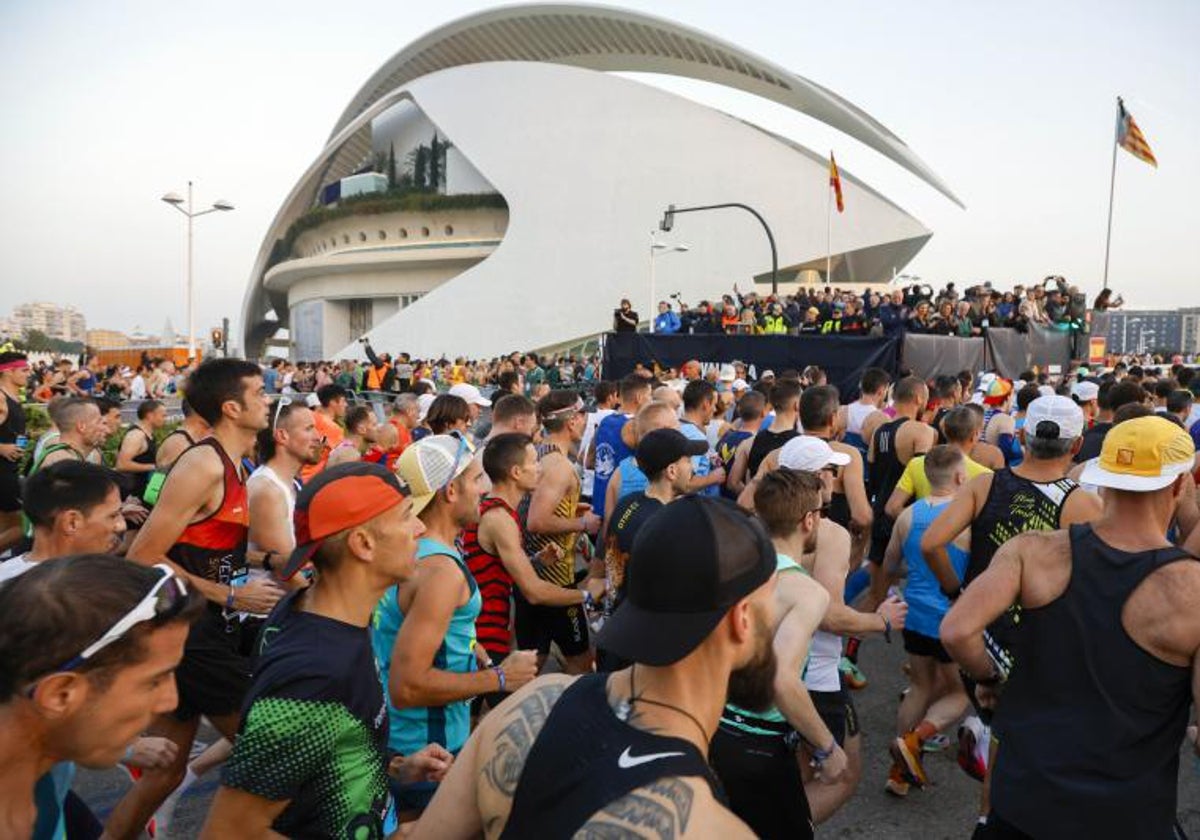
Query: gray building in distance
x=1147, y=330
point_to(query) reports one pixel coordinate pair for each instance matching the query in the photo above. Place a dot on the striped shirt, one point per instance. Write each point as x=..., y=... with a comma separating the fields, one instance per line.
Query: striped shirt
x=492, y=627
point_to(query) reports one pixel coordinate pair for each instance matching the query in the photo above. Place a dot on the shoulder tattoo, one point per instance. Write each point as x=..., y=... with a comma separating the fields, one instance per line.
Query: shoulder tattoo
x=514, y=740
x=660, y=810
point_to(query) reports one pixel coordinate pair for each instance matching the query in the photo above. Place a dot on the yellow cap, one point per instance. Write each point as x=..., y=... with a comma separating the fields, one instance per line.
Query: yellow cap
x=1142, y=455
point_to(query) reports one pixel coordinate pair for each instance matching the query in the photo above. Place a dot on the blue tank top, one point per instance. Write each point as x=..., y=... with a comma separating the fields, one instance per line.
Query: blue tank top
x=633, y=480
x=449, y=725
x=610, y=451
x=926, y=603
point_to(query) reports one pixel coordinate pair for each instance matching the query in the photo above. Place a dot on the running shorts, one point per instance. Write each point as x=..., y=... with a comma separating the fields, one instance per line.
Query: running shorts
x=837, y=711
x=881, y=534
x=538, y=626
x=761, y=777
x=10, y=491
x=214, y=675
x=918, y=644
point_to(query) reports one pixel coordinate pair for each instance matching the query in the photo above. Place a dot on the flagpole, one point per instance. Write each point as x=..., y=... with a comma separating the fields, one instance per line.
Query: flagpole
x=1112, y=187
x=829, y=228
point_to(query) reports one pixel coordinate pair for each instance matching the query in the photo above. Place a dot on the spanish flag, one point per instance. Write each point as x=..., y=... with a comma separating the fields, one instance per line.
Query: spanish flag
x=835, y=183
x=1129, y=138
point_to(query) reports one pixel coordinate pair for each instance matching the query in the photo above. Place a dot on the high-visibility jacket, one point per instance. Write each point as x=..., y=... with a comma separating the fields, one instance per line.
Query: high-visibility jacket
x=831, y=326
x=774, y=325
x=375, y=376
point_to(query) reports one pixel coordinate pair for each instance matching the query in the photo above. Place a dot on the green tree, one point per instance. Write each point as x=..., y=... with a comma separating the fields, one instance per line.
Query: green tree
x=391, y=167
x=435, y=173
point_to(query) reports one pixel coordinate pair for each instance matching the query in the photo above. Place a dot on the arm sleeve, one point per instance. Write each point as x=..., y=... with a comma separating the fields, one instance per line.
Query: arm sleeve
x=284, y=742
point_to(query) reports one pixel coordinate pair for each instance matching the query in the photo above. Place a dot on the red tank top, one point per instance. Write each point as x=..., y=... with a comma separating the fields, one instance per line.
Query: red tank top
x=492, y=627
x=215, y=547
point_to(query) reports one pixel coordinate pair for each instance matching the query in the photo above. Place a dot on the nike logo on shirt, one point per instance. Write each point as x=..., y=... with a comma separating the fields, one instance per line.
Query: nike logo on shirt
x=625, y=760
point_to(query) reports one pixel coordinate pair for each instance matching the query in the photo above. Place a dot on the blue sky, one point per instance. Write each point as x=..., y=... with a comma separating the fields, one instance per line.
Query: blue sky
x=110, y=104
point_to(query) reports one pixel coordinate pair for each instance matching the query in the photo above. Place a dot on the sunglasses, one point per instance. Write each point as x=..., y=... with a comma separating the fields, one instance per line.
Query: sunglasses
x=279, y=404
x=165, y=599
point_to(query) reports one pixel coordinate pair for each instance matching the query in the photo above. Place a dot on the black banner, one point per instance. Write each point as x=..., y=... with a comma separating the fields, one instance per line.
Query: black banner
x=843, y=358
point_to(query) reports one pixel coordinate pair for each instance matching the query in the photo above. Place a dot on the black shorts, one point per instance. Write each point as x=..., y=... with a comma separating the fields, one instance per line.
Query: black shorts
x=838, y=713
x=918, y=644
x=537, y=626
x=761, y=777
x=881, y=533
x=10, y=490
x=998, y=638
x=214, y=675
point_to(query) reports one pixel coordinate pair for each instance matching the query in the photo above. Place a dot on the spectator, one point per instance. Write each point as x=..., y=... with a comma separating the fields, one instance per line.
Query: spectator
x=625, y=319
x=667, y=321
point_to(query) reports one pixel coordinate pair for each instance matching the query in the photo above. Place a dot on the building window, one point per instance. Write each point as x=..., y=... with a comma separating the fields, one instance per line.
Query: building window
x=345, y=239
x=362, y=237
x=403, y=233
x=424, y=231
x=383, y=234
x=449, y=230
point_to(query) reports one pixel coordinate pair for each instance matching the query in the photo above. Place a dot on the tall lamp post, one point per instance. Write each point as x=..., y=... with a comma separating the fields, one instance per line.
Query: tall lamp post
x=1125, y=322
x=177, y=201
x=668, y=221
x=656, y=249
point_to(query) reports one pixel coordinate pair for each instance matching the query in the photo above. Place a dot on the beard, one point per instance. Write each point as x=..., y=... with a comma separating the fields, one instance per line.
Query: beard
x=752, y=687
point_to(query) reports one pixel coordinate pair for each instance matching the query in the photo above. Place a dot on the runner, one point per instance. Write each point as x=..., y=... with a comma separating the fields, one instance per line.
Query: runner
x=84, y=689
x=1106, y=653
x=311, y=758
x=14, y=376
x=1036, y=496
x=785, y=400
x=873, y=388
x=610, y=448
x=333, y=400
x=513, y=414
x=699, y=409
x=191, y=431
x=199, y=526
x=361, y=424
x=664, y=458
x=138, y=452
x=829, y=565
x=961, y=427
x=406, y=415
x=749, y=412
x=424, y=630
x=495, y=548
x=81, y=429
x=935, y=698
x=556, y=516
x=608, y=755
x=628, y=477
x=755, y=753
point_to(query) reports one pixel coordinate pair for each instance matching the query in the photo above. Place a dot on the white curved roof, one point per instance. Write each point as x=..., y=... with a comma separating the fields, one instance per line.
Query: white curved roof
x=611, y=39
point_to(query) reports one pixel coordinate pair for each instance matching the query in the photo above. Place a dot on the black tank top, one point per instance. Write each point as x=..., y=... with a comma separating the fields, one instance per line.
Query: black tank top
x=137, y=481
x=1013, y=506
x=766, y=442
x=585, y=758
x=1090, y=723
x=937, y=425
x=839, y=506
x=886, y=469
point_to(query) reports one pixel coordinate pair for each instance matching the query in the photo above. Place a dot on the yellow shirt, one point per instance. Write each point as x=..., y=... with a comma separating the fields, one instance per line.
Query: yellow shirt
x=916, y=484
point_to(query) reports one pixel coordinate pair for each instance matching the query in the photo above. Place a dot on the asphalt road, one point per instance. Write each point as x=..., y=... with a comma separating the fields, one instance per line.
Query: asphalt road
x=947, y=809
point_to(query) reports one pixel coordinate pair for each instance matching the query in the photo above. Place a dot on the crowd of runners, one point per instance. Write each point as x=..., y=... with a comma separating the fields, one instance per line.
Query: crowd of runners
x=522, y=614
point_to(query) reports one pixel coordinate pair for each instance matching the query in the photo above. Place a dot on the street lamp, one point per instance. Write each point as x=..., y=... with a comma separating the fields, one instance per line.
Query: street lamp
x=668, y=222
x=177, y=201
x=657, y=249
x=1125, y=322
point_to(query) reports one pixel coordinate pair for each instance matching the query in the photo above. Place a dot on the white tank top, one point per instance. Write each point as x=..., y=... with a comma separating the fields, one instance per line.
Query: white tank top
x=856, y=413
x=260, y=474
x=824, y=656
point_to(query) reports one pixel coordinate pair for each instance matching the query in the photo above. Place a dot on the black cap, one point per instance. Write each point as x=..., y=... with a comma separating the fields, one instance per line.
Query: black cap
x=660, y=448
x=691, y=562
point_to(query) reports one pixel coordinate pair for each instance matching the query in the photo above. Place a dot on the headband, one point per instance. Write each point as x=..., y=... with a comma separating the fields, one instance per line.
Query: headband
x=570, y=409
x=15, y=364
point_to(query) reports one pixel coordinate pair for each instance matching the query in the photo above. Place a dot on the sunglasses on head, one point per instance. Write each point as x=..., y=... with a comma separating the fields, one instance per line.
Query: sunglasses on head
x=279, y=404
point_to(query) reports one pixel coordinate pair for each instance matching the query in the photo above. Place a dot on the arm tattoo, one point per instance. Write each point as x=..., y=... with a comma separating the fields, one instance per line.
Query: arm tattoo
x=635, y=814
x=514, y=741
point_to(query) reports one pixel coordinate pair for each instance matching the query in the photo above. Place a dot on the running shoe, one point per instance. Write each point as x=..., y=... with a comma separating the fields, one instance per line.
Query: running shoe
x=937, y=743
x=974, y=739
x=897, y=783
x=906, y=751
x=855, y=678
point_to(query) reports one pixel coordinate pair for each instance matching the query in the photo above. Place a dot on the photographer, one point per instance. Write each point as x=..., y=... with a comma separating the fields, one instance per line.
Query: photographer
x=1105, y=301
x=625, y=319
x=667, y=321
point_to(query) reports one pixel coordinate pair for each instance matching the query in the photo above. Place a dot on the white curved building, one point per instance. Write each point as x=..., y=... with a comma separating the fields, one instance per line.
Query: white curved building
x=538, y=217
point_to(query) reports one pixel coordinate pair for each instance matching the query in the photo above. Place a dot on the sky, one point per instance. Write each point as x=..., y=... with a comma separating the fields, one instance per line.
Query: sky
x=109, y=104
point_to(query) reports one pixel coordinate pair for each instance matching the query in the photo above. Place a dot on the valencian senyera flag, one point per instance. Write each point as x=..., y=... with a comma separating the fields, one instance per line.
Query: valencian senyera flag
x=1130, y=137
x=835, y=182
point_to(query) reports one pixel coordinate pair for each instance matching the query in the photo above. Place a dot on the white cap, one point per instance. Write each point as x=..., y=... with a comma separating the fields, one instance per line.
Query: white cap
x=810, y=454
x=312, y=400
x=727, y=373
x=1046, y=390
x=1066, y=416
x=767, y=373
x=423, y=403
x=739, y=385
x=1085, y=391
x=469, y=393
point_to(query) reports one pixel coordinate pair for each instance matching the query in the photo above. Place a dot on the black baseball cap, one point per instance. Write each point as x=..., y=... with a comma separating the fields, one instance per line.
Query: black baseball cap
x=660, y=448
x=691, y=562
